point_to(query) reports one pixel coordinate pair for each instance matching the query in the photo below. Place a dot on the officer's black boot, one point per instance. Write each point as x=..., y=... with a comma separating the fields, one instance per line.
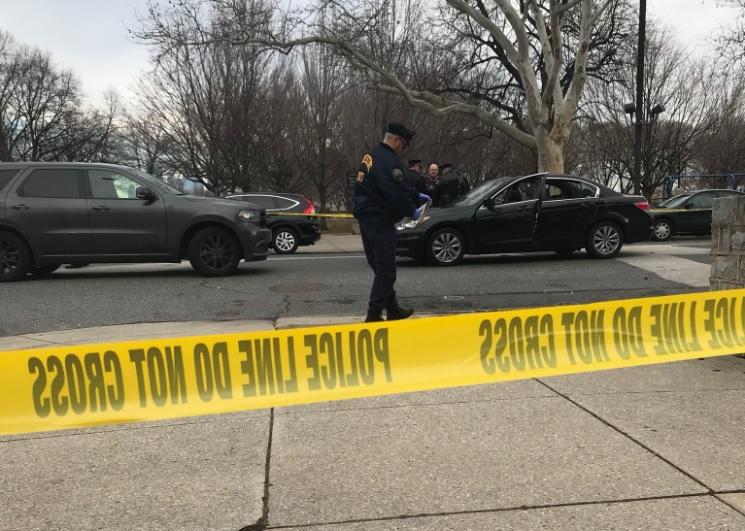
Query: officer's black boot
x=373, y=316
x=394, y=312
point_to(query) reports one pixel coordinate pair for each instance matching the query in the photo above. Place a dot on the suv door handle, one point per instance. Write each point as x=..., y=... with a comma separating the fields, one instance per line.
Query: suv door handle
x=101, y=208
x=20, y=207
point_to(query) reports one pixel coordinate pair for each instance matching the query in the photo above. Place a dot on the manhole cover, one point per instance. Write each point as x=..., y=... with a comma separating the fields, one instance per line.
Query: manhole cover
x=298, y=287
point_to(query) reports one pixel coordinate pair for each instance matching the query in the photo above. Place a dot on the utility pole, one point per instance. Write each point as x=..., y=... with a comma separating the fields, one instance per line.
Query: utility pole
x=639, y=97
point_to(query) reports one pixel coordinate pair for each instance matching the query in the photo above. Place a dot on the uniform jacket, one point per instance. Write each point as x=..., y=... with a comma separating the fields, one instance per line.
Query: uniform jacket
x=380, y=190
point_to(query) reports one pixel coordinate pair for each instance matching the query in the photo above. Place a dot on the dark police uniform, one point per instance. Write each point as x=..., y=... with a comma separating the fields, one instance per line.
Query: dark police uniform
x=414, y=181
x=381, y=199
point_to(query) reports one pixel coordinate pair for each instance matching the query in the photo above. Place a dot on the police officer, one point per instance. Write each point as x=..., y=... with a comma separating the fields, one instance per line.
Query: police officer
x=382, y=199
x=413, y=176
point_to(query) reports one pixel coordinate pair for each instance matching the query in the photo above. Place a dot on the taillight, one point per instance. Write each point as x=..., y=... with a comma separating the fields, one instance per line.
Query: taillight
x=643, y=205
x=310, y=208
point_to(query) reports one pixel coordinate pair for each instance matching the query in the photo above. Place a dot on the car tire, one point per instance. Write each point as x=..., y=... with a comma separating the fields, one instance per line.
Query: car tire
x=15, y=257
x=604, y=240
x=446, y=247
x=214, y=252
x=285, y=240
x=44, y=270
x=662, y=230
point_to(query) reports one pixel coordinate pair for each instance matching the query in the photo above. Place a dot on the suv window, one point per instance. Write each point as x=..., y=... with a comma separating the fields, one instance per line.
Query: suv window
x=107, y=184
x=283, y=203
x=52, y=183
x=264, y=201
x=5, y=177
x=702, y=200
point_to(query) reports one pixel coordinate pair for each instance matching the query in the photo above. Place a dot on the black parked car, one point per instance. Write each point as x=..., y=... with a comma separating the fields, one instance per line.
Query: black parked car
x=288, y=231
x=688, y=213
x=533, y=213
x=73, y=213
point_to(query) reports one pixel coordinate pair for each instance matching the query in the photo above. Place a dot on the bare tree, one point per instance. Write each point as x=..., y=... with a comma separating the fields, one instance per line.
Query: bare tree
x=544, y=46
x=207, y=99
x=688, y=90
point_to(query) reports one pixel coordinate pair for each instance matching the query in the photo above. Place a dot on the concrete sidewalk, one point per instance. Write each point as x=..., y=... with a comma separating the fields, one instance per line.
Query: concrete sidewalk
x=658, y=447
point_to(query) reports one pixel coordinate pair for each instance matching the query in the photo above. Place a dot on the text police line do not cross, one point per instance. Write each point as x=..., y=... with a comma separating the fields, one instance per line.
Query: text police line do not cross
x=68, y=387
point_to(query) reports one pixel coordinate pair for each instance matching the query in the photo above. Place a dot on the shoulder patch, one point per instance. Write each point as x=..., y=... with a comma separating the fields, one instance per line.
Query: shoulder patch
x=398, y=174
x=367, y=160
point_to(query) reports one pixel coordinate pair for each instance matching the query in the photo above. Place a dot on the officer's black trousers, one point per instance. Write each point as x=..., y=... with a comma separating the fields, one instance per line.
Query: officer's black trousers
x=379, y=241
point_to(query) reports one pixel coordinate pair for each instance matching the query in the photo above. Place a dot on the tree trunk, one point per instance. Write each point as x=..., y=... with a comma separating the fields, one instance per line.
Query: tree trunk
x=550, y=149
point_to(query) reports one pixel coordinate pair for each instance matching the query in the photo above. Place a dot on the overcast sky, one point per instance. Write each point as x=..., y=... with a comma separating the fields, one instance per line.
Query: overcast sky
x=90, y=36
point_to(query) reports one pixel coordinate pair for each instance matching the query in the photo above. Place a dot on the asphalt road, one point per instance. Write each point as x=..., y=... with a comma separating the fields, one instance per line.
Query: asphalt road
x=302, y=285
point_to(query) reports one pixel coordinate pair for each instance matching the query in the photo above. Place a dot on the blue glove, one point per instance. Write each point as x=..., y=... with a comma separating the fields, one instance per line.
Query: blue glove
x=424, y=198
x=415, y=215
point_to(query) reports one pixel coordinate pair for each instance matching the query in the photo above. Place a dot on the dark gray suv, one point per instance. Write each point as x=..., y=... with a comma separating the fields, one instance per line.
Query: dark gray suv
x=74, y=213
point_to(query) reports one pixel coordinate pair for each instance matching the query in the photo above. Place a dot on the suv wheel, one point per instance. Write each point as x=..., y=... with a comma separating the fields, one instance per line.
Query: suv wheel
x=446, y=247
x=285, y=241
x=15, y=257
x=214, y=252
x=604, y=240
x=662, y=230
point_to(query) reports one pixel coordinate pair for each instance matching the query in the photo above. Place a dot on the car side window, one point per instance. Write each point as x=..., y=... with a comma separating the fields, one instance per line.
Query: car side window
x=5, y=177
x=264, y=201
x=702, y=200
x=107, y=184
x=525, y=190
x=52, y=183
x=588, y=190
x=284, y=203
x=557, y=189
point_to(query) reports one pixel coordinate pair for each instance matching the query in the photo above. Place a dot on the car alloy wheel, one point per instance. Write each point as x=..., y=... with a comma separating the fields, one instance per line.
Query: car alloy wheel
x=15, y=259
x=663, y=230
x=214, y=252
x=285, y=241
x=446, y=247
x=605, y=240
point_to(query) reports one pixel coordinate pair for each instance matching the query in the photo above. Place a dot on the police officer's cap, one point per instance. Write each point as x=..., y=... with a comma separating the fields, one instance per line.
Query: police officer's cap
x=412, y=162
x=400, y=130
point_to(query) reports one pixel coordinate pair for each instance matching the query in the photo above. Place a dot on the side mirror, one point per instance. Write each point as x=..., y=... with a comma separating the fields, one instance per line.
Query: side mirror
x=688, y=206
x=143, y=192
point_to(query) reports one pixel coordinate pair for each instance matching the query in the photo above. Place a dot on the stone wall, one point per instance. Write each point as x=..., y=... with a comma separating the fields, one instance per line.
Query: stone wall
x=728, y=243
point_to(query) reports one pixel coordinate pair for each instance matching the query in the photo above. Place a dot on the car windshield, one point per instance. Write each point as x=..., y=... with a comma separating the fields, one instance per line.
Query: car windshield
x=157, y=183
x=675, y=201
x=480, y=193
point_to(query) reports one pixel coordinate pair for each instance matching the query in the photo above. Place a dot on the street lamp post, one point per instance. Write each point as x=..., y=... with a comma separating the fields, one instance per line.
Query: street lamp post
x=639, y=96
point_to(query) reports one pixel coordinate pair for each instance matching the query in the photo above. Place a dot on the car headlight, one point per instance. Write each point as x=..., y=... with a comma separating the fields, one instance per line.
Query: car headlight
x=408, y=223
x=249, y=215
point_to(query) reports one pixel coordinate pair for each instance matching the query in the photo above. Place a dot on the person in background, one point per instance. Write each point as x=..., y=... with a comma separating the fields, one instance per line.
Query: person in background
x=432, y=183
x=413, y=176
x=382, y=199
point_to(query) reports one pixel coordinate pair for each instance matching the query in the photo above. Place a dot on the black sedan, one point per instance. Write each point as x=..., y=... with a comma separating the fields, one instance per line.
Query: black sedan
x=688, y=213
x=532, y=213
x=290, y=216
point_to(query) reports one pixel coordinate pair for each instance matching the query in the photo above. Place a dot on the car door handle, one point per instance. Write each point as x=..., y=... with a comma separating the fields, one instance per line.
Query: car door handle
x=101, y=208
x=20, y=207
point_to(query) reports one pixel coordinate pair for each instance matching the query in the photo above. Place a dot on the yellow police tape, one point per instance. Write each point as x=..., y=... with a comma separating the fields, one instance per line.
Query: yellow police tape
x=339, y=215
x=68, y=387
